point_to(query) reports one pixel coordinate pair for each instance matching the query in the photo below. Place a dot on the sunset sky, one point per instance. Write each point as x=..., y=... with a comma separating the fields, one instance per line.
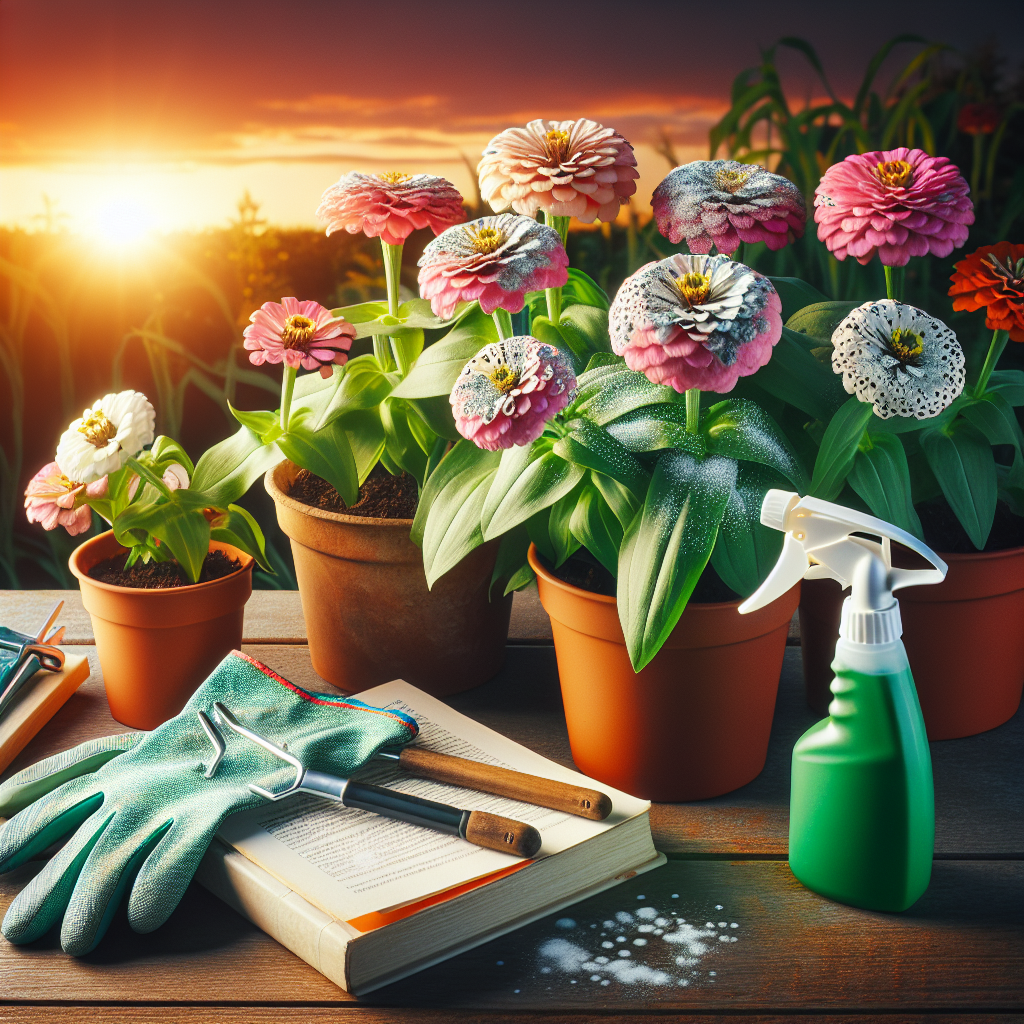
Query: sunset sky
x=166, y=112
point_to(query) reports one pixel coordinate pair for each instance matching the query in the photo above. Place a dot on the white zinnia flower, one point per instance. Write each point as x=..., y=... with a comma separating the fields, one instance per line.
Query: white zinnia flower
x=111, y=431
x=899, y=359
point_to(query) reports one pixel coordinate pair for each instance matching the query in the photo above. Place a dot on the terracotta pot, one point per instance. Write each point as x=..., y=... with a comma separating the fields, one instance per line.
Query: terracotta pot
x=156, y=646
x=369, y=615
x=695, y=722
x=964, y=640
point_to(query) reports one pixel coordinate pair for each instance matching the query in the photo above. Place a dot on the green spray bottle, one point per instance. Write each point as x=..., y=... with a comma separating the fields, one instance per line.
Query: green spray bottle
x=862, y=807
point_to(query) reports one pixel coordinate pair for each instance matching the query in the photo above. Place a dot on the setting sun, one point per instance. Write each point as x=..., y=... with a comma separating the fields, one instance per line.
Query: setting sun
x=121, y=223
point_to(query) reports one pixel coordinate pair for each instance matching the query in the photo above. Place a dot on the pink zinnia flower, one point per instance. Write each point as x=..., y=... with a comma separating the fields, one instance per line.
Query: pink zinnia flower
x=391, y=205
x=298, y=334
x=696, y=322
x=566, y=168
x=50, y=500
x=509, y=390
x=898, y=203
x=724, y=202
x=494, y=259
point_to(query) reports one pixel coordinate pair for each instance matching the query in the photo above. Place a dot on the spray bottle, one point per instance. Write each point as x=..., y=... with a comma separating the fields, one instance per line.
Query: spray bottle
x=862, y=807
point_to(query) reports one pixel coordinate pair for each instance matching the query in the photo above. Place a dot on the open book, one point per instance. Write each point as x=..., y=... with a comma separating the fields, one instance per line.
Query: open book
x=367, y=900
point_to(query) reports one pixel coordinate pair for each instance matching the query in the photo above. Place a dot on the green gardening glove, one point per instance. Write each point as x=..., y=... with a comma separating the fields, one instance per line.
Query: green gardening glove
x=142, y=812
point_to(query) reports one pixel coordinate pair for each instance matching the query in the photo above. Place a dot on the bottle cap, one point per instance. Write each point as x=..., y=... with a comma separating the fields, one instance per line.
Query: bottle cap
x=877, y=626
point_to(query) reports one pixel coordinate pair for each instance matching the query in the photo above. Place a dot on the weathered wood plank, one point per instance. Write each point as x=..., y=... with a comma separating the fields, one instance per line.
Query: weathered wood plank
x=960, y=949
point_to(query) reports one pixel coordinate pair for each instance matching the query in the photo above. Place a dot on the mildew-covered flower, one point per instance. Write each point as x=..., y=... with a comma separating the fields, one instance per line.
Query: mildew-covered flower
x=494, y=259
x=509, y=390
x=298, y=334
x=696, y=322
x=52, y=500
x=725, y=202
x=897, y=203
x=992, y=278
x=899, y=359
x=566, y=168
x=109, y=432
x=390, y=205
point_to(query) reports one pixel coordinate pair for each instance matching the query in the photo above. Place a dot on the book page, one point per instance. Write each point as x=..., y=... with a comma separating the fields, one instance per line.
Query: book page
x=350, y=862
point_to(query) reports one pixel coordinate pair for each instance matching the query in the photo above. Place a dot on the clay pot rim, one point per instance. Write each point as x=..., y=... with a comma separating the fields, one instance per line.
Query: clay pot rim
x=540, y=570
x=980, y=556
x=282, y=498
x=247, y=563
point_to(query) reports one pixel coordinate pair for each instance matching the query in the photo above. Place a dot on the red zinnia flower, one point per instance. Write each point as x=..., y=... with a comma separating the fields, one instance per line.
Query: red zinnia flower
x=992, y=278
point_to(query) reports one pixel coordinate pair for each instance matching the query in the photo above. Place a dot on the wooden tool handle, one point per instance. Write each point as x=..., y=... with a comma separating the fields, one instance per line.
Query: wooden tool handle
x=488, y=778
x=503, y=834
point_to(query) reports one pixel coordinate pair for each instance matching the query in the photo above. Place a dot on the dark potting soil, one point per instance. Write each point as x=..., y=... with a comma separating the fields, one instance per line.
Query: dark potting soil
x=943, y=532
x=586, y=572
x=161, y=575
x=382, y=496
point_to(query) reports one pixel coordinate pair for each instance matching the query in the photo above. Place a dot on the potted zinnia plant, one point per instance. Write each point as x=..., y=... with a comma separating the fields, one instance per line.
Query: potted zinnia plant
x=589, y=452
x=167, y=585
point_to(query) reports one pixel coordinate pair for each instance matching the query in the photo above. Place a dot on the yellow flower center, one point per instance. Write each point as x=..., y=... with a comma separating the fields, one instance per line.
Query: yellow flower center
x=557, y=143
x=694, y=288
x=731, y=181
x=394, y=177
x=485, y=240
x=503, y=379
x=98, y=430
x=894, y=173
x=298, y=330
x=906, y=344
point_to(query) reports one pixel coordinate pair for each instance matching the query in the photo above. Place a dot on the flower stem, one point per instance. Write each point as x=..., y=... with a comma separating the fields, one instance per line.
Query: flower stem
x=692, y=410
x=503, y=321
x=995, y=350
x=894, y=283
x=554, y=295
x=287, y=387
x=392, y=273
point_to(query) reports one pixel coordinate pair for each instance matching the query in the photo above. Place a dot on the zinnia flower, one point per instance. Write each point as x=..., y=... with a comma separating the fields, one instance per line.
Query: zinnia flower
x=50, y=500
x=696, y=322
x=993, y=277
x=566, y=168
x=898, y=203
x=111, y=431
x=298, y=334
x=978, y=118
x=509, y=390
x=724, y=202
x=494, y=259
x=391, y=205
x=899, y=359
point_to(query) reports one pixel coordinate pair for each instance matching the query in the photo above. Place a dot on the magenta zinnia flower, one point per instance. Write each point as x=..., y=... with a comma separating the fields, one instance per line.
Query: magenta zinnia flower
x=494, y=259
x=724, y=202
x=898, y=203
x=509, y=390
x=298, y=334
x=391, y=205
x=696, y=322
x=566, y=168
x=50, y=500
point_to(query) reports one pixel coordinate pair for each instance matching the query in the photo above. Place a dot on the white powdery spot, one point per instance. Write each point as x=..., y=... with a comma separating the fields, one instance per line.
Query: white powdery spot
x=647, y=913
x=690, y=937
x=565, y=922
x=607, y=945
x=624, y=917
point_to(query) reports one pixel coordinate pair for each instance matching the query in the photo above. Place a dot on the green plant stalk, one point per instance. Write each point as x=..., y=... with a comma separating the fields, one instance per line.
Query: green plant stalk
x=995, y=350
x=692, y=410
x=287, y=388
x=503, y=321
x=554, y=295
x=392, y=276
x=894, y=282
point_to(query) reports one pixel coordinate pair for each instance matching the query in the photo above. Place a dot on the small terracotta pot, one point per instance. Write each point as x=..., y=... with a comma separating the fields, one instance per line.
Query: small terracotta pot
x=156, y=646
x=695, y=722
x=369, y=615
x=964, y=641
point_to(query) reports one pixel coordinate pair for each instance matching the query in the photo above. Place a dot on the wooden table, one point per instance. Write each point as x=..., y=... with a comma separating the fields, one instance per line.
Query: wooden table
x=763, y=947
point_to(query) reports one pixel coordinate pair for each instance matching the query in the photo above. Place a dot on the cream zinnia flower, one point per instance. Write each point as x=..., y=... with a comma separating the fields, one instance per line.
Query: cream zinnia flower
x=899, y=359
x=111, y=431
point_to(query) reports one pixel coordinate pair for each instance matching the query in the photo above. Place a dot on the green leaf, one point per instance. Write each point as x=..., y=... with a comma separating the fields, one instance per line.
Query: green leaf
x=796, y=294
x=361, y=312
x=597, y=528
x=993, y=415
x=521, y=578
x=176, y=523
x=360, y=385
x=406, y=347
x=529, y=479
x=618, y=393
x=620, y=499
x=741, y=429
x=881, y=476
x=151, y=478
x=560, y=536
x=584, y=289
x=1008, y=383
x=795, y=376
x=437, y=370
x=324, y=452
x=264, y=424
x=600, y=360
x=436, y=413
x=588, y=445
x=820, y=319
x=404, y=437
x=665, y=548
x=839, y=448
x=745, y=552
x=651, y=428
x=961, y=459
x=511, y=562
x=165, y=452
x=239, y=529
x=585, y=328
x=228, y=469
x=365, y=434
